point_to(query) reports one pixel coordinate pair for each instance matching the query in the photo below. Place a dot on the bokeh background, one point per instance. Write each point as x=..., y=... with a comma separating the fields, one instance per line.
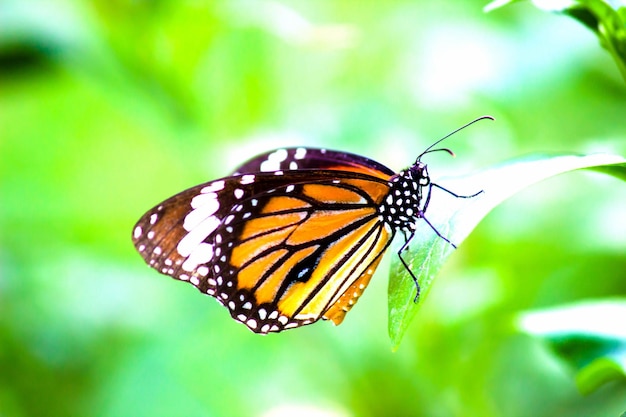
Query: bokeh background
x=108, y=107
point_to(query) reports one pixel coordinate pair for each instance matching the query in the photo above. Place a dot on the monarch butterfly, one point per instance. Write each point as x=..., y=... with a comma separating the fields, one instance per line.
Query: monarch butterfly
x=294, y=235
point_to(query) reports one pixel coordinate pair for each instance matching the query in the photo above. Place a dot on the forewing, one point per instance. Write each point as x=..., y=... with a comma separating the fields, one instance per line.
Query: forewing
x=277, y=249
x=311, y=158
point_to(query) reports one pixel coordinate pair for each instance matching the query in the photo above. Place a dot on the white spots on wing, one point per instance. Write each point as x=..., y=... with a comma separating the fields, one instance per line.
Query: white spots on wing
x=262, y=313
x=200, y=255
x=238, y=193
x=300, y=153
x=168, y=262
x=273, y=160
x=293, y=165
x=213, y=187
x=247, y=305
x=278, y=173
x=204, y=199
x=157, y=250
x=251, y=323
x=154, y=217
x=141, y=248
x=194, y=280
x=197, y=235
x=229, y=219
x=247, y=179
x=201, y=220
x=151, y=234
x=137, y=232
x=289, y=188
x=203, y=270
x=254, y=202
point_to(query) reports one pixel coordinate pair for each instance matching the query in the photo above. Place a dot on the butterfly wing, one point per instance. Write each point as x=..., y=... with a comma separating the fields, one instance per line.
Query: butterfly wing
x=279, y=251
x=312, y=158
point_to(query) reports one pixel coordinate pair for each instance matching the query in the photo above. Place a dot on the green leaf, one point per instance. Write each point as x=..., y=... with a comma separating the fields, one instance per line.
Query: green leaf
x=607, y=21
x=455, y=218
x=590, y=337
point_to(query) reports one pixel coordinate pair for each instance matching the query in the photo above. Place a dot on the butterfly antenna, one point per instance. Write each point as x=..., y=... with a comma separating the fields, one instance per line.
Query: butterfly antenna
x=430, y=148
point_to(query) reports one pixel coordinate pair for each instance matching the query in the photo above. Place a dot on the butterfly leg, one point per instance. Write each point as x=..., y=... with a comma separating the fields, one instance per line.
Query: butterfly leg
x=407, y=240
x=427, y=201
x=454, y=194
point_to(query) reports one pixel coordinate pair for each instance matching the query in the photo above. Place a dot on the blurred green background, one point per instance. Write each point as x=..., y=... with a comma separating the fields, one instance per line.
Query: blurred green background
x=108, y=107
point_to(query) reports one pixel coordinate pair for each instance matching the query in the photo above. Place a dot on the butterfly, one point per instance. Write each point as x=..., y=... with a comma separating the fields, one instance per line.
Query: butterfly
x=294, y=235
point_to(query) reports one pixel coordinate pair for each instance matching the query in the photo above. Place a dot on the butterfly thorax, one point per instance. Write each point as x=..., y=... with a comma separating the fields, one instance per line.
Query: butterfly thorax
x=404, y=204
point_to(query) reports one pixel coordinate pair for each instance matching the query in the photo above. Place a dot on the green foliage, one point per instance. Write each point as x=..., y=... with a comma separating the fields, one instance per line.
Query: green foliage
x=607, y=20
x=590, y=337
x=457, y=218
x=107, y=107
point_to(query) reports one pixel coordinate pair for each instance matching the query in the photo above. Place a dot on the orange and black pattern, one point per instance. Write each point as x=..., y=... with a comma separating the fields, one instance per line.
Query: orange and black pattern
x=294, y=235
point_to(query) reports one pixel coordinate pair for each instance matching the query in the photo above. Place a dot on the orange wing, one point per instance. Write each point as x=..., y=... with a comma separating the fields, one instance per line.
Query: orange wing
x=299, y=253
x=278, y=249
